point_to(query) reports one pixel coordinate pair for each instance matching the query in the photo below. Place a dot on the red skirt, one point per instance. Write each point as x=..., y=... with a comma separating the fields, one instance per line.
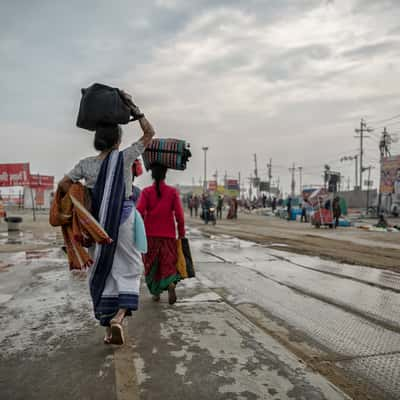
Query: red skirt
x=160, y=264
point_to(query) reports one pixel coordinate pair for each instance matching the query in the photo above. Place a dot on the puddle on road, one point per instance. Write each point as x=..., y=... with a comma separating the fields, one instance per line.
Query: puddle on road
x=36, y=257
x=53, y=304
x=21, y=237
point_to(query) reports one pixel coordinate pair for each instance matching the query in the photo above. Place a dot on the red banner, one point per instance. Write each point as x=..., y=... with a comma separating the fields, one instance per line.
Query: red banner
x=41, y=181
x=14, y=174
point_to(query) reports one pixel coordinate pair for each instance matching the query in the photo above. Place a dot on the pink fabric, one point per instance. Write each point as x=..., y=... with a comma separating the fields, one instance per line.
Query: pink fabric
x=160, y=214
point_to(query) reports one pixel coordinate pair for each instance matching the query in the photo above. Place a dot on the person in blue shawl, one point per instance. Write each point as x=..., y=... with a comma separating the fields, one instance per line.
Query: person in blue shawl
x=115, y=275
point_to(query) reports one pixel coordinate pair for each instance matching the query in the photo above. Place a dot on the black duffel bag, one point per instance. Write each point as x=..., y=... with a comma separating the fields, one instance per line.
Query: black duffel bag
x=101, y=104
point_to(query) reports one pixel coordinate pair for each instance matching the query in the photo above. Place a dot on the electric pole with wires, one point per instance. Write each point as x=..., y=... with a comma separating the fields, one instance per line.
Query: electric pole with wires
x=361, y=131
x=293, y=183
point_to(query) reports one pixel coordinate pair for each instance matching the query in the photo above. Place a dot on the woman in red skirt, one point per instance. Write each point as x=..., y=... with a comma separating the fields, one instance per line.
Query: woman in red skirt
x=161, y=208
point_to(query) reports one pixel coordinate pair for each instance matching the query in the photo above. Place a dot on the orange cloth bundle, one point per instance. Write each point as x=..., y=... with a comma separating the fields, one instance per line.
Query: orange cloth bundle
x=80, y=229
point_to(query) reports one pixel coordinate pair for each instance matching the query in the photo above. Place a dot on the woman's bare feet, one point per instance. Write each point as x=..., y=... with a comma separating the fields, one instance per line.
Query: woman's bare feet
x=171, y=293
x=156, y=297
x=107, y=336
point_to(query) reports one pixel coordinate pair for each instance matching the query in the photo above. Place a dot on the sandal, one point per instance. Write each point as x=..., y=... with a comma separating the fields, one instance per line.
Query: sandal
x=171, y=294
x=117, y=333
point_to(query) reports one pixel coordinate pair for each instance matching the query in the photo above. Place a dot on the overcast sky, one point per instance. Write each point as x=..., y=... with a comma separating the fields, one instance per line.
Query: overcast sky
x=286, y=79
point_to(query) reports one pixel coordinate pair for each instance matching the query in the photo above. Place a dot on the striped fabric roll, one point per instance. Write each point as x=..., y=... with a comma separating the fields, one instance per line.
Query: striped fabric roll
x=172, y=153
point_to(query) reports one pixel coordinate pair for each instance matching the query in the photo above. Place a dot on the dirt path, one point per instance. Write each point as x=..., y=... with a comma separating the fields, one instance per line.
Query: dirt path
x=347, y=245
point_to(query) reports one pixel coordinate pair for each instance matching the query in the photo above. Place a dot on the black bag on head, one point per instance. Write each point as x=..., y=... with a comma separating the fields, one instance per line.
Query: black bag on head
x=101, y=104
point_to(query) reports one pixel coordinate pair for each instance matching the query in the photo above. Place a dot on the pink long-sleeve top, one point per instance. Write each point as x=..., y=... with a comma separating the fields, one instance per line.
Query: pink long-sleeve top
x=160, y=214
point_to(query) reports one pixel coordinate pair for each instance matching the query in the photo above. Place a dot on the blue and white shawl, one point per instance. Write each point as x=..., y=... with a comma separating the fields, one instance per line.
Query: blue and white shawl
x=107, y=204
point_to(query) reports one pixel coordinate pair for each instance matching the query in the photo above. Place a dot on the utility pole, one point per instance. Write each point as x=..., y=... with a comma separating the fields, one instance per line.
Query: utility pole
x=348, y=183
x=205, y=148
x=269, y=166
x=301, y=178
x=369, y=184
x=256, y=181
x=251, y=187
x=216, y=176
x=361, y=131
x=384, y=144
x=293, y=183
x=384, y=148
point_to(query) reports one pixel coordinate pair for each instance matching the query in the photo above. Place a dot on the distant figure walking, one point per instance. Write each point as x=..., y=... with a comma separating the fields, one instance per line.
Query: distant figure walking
x=337, y=211
x=191, y=205
x=220, y=204
x=273, y=204
x=303, y=212
x=289, y=208
x=196, y=205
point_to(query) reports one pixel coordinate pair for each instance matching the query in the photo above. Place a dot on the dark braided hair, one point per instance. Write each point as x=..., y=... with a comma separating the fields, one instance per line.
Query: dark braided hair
x=107, y=136
x=158, y=173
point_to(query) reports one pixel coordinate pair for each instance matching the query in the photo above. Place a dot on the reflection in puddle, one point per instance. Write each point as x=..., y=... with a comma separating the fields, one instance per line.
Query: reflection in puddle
x=14, y=237
x=18, y=237
x=35, y=254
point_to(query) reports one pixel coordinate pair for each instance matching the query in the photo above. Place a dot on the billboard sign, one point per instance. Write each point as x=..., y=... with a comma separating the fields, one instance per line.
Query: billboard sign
x=232, y=184
x=14, y=174
x=41, y=181
x=390, y=175
x=212, y=186
x=264, y=186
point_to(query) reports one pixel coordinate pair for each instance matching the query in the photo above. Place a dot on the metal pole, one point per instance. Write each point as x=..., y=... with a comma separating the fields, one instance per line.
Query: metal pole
x=33, y=206
x=369, y=178
x=356, y=183
x=205, y=169
x=301, y=179
x=361, y=151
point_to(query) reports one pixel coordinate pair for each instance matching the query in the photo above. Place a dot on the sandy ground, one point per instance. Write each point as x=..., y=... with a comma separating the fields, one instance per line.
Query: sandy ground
x=347, y=245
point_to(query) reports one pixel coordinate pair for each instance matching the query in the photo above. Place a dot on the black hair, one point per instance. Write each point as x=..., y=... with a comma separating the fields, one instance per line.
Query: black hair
x=158, y=173
x=106, y=137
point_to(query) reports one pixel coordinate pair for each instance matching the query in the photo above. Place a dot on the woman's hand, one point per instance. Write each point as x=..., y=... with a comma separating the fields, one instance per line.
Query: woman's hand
x=65, y=184
x=135, y=111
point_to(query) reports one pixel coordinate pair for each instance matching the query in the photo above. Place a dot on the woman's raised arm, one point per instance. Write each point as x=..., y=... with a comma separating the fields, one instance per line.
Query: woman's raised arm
x=148, y=131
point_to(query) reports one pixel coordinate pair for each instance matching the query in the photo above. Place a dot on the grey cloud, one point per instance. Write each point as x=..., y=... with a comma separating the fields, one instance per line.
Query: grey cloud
x=374, y=49
x=290, y=64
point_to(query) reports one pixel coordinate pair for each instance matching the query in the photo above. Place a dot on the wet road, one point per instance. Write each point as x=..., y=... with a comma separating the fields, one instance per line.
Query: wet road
x=242, y=326
x=347, y=315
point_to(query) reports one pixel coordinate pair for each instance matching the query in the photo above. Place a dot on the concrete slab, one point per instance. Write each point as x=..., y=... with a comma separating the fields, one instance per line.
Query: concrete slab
x=339, y=332
x=207, y=350
x=379, y=373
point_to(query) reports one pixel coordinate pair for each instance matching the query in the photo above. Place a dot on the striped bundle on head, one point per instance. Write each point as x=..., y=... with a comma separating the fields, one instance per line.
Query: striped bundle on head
x=172, y=153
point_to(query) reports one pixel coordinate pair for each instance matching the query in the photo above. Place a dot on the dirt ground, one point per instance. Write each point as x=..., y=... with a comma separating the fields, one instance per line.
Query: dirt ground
x=346, y=245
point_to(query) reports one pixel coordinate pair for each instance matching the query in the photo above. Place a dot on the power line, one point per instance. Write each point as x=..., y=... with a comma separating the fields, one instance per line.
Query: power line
x=384, y=126
x=386, y=119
